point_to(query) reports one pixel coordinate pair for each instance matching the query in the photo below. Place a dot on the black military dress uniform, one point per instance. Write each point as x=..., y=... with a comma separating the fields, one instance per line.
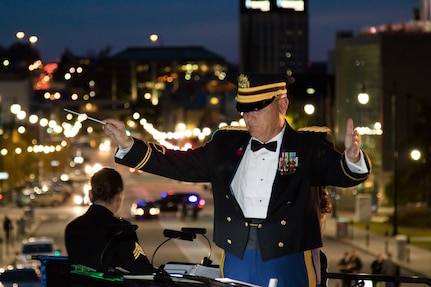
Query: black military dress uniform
x=99, y=240
x=293, y=219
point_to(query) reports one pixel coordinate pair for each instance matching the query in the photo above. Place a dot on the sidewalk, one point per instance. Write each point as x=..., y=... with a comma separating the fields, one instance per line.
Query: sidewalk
x=416, y=260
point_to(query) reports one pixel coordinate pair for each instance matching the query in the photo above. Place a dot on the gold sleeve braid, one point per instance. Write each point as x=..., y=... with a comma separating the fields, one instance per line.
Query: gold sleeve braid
x=150, y=147
x=351, y=177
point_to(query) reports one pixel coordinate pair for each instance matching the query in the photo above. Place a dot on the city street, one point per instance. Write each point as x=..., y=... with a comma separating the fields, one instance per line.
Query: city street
x=150, y=232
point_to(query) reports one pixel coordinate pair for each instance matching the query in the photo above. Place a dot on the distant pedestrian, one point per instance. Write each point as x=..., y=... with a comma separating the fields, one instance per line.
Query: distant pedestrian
x=7, y=227
x=376, y=268
x=344, y=266
x=355, y=263
x=391, y=269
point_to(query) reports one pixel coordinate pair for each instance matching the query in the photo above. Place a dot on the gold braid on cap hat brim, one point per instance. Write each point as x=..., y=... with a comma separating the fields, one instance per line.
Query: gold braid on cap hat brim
x=260, y=93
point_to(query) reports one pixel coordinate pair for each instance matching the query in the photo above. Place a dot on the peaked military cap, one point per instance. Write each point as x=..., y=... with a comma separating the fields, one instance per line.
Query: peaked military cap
x=256, y=91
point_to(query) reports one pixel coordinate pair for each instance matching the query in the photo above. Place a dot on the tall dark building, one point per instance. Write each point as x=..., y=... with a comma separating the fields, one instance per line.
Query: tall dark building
x=382, y=82
x=274, y=36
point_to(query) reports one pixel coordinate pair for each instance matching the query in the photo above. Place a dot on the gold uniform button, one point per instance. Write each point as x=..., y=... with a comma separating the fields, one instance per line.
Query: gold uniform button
x=283, y=222
x=229, y=241
x=280, y=244
x=246, y=223
x=228, y=219
x=259, y=225
x=227, y=196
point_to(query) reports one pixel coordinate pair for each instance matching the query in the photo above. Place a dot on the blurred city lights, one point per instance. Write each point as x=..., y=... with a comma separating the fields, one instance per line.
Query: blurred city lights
x=20, y=35
x=15, y=108
x=33, y=39
x=154, y=38
x=309, y=109
x=363, y=98
x=415, y=154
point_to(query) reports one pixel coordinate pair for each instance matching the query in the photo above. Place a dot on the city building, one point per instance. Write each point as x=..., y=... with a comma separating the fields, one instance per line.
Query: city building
x=382, y=82
x=173, y=84
x=274, y=36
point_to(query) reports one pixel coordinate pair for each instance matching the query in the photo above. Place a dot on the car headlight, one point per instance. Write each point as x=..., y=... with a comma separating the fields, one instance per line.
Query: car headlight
x=77, y=199
x=154, y=211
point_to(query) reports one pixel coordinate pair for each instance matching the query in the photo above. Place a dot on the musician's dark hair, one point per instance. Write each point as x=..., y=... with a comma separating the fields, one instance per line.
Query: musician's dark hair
x=105, y=184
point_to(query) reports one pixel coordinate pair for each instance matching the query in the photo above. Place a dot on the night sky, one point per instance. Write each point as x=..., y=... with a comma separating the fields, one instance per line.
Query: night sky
x=89, y=26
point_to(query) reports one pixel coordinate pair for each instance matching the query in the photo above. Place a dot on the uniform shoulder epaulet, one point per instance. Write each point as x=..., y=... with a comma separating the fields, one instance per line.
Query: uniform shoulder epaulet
x=233, y=128
x=315, y=129
x=225, y=129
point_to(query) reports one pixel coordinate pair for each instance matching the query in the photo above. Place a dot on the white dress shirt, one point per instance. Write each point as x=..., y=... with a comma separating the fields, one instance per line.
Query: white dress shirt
x=252, y=183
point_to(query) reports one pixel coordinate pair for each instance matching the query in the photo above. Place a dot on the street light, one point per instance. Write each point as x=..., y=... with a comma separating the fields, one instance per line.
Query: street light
x=309, y=109
x=415, y=154
x=154, y=38
x=363, y=98
x=33, y=39
x=20, y=35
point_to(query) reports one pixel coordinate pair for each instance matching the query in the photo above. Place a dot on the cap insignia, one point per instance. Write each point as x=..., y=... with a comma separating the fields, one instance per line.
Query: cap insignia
x=243, y=82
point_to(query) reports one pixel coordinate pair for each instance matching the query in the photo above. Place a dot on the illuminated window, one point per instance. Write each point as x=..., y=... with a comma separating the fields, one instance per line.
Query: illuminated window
x=297, y=5
x=263, y=5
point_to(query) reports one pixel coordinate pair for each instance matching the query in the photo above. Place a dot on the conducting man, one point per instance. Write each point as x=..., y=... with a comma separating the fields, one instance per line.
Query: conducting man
x=265, y=218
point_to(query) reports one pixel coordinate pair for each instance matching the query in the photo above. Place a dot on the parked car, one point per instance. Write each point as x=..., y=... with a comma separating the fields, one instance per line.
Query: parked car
x=54, y=193
x=22, y=193
x=22, y=277
x=144, y=209
x=49, y=198
x=62, y=187
x=188, y=203
x=35, y=246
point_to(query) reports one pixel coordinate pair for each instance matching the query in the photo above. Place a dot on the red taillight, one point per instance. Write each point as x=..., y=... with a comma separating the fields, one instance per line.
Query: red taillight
x=201, y=203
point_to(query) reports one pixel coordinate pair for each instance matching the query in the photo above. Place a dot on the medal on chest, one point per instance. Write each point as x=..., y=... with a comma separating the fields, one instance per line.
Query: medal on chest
x=287, y=163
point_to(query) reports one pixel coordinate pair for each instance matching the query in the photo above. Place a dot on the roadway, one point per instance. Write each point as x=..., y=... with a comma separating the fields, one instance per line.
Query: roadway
x=150, y=232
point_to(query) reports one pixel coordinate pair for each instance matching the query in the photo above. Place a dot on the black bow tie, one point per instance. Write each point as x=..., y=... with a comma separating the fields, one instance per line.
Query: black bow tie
x=257, y=145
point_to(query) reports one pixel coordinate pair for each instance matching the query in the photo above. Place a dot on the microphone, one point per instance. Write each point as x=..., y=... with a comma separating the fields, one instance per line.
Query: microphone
x=206, y=261
x=179, y=234
x=170, y=234
x=195, y=230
